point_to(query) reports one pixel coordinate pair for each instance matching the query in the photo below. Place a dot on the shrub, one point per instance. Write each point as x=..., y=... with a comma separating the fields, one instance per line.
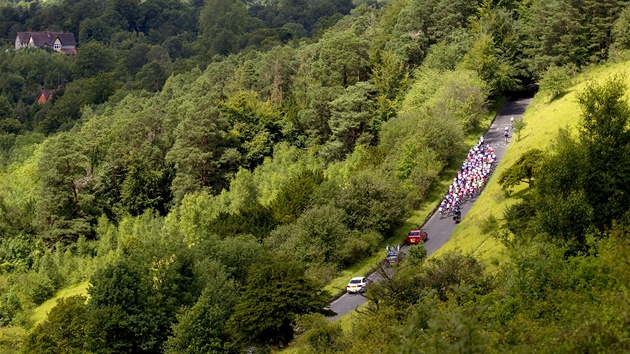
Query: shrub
x=555, y=80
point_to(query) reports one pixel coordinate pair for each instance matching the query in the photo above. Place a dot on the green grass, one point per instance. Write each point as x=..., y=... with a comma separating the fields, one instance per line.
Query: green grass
x=543, y=119
x=39, y=313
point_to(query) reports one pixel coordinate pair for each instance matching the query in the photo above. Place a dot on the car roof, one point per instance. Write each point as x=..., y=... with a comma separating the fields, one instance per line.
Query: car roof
x=357, y=278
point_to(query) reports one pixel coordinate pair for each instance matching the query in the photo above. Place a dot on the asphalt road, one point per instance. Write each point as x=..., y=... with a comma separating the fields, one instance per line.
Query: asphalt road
x=440, y=230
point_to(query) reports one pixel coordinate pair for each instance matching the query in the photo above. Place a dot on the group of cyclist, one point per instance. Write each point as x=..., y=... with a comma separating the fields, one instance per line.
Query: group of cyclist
x=470, y=179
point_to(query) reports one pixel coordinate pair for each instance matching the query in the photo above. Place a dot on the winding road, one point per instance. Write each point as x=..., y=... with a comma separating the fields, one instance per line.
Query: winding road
x=440, y=230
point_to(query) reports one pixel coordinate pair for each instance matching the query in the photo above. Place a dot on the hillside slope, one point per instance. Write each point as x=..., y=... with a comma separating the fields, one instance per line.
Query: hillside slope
x=543, y=119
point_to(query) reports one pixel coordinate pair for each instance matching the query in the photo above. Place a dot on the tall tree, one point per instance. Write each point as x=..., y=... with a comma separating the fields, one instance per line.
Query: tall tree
x=276, y=293
x=221, y=22
x=64, y=208
x=353, y=120
x=343, y=59
x=196, y=152
x=63, y=331
x=605, y=139
x=201, y=328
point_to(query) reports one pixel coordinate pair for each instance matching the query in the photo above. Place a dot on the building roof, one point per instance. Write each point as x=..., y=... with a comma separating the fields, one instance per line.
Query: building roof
x=45, y=95
x=47, y=38
x=69, y=51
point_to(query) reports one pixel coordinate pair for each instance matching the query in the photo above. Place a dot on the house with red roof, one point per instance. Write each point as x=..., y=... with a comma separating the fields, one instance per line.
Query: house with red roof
x=45, y=95
x=58, y=41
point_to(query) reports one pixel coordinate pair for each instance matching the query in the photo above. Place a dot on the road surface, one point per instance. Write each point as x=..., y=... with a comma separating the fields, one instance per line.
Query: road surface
x=440, y=230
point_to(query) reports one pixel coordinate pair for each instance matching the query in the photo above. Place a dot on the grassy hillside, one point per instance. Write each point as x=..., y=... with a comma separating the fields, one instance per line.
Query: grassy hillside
x=543, y=119
x=39, y=313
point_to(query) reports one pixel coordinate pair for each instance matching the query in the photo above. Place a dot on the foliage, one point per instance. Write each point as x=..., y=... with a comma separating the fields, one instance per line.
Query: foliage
x=295, y=197
x=495, y=70
x=64, y=207
x=559, y=32
x=523, y=170
x=555, y=80
x=604, y=137
x=63, y=331
x=200, y=329
x=518, y=126
x=197, y=154
x=275, y=294
x=371, y=203
x=620, y=33
x=342, y=59
x=195, y=151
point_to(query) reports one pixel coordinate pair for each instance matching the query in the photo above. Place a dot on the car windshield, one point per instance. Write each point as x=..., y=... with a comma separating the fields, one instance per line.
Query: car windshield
x=355, y=281
x=414, y=233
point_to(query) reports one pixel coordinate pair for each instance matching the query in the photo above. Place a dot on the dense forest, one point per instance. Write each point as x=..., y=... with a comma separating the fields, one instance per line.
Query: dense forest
x=209, y=165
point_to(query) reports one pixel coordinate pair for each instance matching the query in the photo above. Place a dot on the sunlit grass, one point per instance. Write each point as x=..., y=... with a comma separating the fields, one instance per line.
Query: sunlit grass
x=544, y=119
x=39, y=313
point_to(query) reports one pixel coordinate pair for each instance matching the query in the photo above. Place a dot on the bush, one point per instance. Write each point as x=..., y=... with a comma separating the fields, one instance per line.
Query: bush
x=40, y=288
x=372, y=202
x=10, y=306
x=555, y=80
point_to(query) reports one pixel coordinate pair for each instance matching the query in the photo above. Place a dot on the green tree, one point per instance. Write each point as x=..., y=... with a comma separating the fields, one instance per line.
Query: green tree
x=254, y=219
x=523, y=170
x=371, y=202
x=134, y=301
x=196, y=152
x=152, y=76
x=77, y=94
x=518, y=126
x=63, y=331
x=237, y=254
x=275, y=294
x=621, y=29
x=119, y=318
x=605, y=140
x=317, y=237
x=563, y=210
x=221, y=23
x=462, y=96
x=555, y=81
x=254, y=126
x=201, y=328
x=295, y=196
x=145, y=189
x=497, y=72
x=352, y=120
x=92, y=59
x=64, y=207
x=342, y=59
x=6, y=109
x=93, y=29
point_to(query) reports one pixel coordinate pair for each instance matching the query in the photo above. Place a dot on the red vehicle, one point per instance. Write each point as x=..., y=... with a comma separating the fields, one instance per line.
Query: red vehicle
x=415, y=236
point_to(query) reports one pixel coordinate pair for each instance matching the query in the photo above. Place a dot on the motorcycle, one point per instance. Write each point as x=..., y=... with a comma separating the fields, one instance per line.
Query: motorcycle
x=457, y=216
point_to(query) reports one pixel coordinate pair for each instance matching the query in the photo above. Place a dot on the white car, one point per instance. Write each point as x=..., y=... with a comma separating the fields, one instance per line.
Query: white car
x=358, y=285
